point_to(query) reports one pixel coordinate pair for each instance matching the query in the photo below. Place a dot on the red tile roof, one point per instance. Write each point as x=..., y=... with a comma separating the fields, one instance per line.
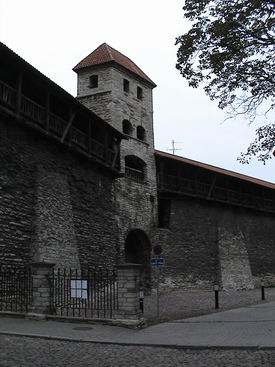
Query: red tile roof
x=105, y=54
x=222, y=171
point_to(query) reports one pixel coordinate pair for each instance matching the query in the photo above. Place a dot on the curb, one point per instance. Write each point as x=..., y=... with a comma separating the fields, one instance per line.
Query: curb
x=127, y=323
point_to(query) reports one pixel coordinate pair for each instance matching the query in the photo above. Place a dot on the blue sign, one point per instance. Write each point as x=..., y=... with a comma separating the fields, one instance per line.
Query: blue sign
x=157, y=261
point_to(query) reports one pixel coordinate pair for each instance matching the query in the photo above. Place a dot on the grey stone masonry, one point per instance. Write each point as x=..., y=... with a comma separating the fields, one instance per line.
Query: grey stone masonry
x=128, y=279
x=41, y=287
x=55, y=238
x=135, y=200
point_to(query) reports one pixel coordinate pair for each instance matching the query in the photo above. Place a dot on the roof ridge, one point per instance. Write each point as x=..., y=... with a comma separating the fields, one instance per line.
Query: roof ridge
x=108, y=50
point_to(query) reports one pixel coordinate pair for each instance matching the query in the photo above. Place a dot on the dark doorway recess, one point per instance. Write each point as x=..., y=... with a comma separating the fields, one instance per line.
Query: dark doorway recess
x=137, y=251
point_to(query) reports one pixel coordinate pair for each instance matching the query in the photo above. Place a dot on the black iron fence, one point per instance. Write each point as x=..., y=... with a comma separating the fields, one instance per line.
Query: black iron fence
x=84, y=293
x=15, y=289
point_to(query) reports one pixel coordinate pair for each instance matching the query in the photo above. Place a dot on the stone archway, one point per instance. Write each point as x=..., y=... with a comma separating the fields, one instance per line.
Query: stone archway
x=137, y=251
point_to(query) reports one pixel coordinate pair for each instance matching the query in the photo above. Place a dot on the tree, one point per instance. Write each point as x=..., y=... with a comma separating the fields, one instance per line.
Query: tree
x=230, y=49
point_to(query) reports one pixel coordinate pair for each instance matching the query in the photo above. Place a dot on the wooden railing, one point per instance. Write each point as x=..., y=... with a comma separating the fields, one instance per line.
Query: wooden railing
x=97, y=148
x=134, y=174
x=204, y=190
x=56, y=125
x=33, y=110
x=79, y=138
x=7, y=95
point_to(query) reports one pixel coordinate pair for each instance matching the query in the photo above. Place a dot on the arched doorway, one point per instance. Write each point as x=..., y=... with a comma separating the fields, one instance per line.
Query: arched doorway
x=137, y=251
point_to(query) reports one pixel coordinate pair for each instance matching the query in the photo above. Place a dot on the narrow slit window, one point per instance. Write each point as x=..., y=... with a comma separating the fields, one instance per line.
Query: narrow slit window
x=139, y=93
x=126, y=85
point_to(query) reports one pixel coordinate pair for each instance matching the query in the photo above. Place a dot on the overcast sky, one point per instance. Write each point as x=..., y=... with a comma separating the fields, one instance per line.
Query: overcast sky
x=54, y=35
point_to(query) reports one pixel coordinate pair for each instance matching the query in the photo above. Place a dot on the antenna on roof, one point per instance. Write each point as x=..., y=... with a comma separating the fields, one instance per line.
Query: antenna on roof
x=173, y=146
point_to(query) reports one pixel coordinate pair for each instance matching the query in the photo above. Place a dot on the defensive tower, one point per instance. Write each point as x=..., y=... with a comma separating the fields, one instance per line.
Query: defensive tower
x=115, y=88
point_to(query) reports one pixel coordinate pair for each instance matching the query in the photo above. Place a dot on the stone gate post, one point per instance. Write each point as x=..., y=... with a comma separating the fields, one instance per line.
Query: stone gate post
x=41, y=287
x=128, y=280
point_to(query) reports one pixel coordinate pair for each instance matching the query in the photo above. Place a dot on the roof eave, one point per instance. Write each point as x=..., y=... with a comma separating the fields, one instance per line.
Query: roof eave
x=218, y=170
x=148, y=81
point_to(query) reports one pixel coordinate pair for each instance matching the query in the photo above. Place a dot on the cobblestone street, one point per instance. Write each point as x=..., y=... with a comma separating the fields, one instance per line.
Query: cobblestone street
x=16, y=351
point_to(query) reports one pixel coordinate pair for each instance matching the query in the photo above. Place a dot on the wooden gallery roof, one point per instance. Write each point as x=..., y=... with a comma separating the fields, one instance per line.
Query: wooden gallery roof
x=182, y=176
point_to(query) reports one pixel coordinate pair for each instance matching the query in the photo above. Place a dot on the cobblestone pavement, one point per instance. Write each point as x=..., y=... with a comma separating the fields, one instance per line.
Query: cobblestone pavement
x=188, y=303
x=18, y=351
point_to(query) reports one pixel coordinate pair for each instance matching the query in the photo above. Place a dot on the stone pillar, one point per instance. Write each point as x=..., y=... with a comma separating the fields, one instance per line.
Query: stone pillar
x=41, y=272
x=235, y=266
x=128, y=280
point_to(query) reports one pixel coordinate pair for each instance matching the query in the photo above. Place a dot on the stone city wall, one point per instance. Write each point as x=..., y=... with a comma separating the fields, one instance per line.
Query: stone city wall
x=209, y=243
x=55, y=205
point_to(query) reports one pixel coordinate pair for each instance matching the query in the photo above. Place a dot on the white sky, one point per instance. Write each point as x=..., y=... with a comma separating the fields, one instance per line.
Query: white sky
x=54, y=35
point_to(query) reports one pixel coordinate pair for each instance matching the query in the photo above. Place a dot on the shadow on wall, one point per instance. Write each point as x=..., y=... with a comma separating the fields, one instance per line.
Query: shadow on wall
x=137, y=251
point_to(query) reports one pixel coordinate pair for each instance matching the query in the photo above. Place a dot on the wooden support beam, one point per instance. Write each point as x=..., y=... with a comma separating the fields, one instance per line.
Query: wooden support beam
x=68, y=126
x=116, y=149
x=211, y=187
x=89, y=137
x=161, y=174
x=47, y=109
x=106, y=141
x=19, y=93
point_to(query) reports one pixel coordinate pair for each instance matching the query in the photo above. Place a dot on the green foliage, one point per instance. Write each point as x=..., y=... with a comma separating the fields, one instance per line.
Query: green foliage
x=230, y=49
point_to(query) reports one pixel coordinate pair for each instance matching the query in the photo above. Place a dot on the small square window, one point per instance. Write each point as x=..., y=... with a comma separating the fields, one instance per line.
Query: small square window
x=93, y=81
x=139, y=93
x=126, y=85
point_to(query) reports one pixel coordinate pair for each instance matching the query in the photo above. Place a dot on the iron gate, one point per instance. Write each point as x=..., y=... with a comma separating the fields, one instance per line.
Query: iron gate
x=84, y=293
x=15, y=288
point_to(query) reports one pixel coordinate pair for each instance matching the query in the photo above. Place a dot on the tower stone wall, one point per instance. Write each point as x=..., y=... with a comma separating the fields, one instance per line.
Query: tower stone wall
x=136, y=201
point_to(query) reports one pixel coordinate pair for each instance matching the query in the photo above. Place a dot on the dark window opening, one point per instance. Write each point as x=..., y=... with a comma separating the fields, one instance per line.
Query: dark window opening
x=164, y=211
x=93, y=81
x=126, y=85
x=139, y=93
x=134, y=168
x=140, y=133
x=127, y=127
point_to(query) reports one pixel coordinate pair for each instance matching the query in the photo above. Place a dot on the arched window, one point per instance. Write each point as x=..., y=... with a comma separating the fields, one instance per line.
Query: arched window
x=127, y=127
x=140, y=133
x=134, y=168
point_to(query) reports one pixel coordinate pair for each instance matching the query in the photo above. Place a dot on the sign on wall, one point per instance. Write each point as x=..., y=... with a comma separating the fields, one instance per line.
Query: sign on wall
x=79, y=288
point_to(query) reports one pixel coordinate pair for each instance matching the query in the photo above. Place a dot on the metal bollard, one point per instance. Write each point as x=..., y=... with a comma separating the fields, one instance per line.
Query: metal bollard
x=141, y=300
x=216, y=290
x=263, y=290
